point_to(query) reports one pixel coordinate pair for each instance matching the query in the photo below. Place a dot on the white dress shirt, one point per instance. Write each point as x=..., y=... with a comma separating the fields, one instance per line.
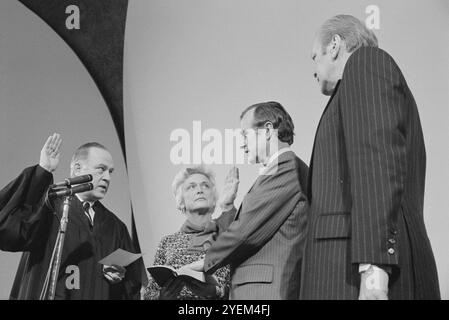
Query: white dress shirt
x=91, y=210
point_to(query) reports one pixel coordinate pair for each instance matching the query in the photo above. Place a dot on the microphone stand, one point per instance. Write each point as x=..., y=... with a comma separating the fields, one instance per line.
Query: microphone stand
x=49, y=288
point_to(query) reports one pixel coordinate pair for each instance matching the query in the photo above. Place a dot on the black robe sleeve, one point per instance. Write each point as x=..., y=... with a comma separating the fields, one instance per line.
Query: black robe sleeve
x=23, y=210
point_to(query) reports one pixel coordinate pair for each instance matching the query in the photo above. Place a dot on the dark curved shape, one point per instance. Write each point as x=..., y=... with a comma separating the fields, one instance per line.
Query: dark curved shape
x=98, y=44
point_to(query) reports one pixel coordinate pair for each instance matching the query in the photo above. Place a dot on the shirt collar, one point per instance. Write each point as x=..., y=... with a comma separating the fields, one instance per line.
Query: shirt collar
x=272, y=160
x=91, y=203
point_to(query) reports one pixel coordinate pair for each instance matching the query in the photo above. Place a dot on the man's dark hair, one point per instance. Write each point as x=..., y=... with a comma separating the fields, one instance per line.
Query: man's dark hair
x=275, y=113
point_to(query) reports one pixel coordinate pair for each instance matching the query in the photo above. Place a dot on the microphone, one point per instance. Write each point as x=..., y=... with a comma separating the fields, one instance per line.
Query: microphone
x=71, y=191
x=71, y=181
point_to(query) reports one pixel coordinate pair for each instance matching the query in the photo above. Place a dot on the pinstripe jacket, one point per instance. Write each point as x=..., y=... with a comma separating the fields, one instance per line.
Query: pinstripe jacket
x=366, y=186
x=264, y=244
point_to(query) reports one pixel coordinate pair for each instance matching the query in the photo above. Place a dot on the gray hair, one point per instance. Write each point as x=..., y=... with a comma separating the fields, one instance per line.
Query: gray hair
x=183, y=175
x=350, y=29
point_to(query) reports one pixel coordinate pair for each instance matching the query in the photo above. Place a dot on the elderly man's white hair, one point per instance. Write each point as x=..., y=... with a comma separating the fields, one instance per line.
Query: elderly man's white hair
x=350, y=29
x=183, y=175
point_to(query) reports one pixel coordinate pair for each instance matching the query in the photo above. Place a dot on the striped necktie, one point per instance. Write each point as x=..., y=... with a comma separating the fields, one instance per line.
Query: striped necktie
x=86, y=207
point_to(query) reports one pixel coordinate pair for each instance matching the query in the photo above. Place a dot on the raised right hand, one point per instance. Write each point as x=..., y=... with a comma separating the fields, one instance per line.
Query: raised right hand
x=49, y=158
x=230, y=189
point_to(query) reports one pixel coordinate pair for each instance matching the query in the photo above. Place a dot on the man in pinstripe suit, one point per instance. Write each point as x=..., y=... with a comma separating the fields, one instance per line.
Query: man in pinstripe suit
x=265, y=242
x=367, y=237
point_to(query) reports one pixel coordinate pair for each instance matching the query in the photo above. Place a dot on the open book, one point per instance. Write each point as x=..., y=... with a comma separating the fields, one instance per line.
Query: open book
x=161, y=274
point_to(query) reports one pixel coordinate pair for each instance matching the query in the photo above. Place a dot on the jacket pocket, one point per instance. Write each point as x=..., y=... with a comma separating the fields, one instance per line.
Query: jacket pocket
x=250, y=273
x=333, y=226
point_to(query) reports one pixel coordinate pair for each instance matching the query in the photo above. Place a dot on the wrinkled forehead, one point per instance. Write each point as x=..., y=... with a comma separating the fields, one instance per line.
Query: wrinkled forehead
x=196, y=178
x=97, y=156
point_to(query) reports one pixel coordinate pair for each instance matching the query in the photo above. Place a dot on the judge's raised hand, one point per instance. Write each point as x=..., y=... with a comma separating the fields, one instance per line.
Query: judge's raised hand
x=49, y=158
x=226, y=200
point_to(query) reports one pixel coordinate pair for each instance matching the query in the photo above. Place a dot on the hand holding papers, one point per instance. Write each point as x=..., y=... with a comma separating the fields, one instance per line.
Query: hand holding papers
x=115, y=263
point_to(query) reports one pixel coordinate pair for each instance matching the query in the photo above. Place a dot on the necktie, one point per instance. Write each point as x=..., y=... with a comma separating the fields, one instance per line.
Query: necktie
x=86, y=207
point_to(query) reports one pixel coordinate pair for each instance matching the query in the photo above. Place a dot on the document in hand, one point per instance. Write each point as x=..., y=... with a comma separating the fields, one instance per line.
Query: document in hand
x=161, y=274
x=120, y=258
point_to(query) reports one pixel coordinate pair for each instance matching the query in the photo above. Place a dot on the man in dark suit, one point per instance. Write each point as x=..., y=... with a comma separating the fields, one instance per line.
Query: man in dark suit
x=29, y=224
x=367, y=237
x=264, y=244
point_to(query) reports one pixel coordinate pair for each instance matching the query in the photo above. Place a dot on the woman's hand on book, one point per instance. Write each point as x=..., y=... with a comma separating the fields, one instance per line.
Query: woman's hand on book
x=199, y=288
x=171, y=289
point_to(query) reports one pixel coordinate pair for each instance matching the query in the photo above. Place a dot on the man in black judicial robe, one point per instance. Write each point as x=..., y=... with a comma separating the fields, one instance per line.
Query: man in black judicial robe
x=27, y=224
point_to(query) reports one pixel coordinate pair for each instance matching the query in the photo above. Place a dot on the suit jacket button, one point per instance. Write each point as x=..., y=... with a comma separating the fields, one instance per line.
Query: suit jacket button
x=392, y=241
x=393, y=231
x=391, y=251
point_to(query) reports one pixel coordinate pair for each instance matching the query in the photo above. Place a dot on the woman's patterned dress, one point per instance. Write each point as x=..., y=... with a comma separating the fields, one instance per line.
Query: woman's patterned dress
x=173, y=250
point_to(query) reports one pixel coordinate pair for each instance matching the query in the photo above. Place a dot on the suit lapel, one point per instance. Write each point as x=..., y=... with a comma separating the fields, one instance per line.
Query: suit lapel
x=241, y=204
x=309, y=177
x=288, y=154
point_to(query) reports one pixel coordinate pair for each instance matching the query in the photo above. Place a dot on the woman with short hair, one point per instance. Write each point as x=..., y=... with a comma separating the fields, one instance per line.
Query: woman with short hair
x=196, y=196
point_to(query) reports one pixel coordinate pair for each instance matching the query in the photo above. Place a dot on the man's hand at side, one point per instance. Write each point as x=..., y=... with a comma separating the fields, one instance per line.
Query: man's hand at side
x=374, y=284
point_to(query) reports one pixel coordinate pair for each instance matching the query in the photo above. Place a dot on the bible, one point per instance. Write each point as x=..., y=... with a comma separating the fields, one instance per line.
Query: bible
x=161, y=274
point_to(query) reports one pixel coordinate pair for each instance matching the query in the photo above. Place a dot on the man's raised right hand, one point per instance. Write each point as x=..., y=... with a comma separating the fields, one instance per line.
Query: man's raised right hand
x=230, y=189
x=49, y=158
